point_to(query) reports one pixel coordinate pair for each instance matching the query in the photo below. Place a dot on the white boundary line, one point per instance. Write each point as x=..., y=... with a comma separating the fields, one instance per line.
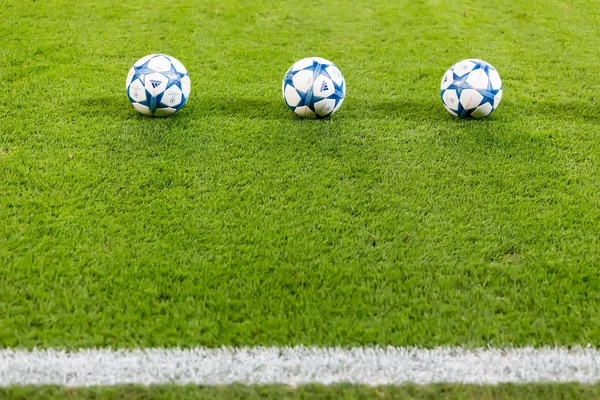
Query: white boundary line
x=298, y=365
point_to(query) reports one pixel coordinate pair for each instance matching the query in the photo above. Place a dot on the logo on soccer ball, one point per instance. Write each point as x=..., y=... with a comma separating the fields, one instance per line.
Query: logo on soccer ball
x=155, y=84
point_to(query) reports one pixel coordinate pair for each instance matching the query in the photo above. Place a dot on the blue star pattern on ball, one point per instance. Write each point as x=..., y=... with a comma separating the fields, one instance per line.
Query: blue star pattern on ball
x=158, y=85
x=313, y=88
x=471, y=88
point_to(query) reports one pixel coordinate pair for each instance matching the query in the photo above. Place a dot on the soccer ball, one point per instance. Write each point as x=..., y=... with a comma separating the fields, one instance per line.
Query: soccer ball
x=313, y=88
x=471, y=89
x=158, y=85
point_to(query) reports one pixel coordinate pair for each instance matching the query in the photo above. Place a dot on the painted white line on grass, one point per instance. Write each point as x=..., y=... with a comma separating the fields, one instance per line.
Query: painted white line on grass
x=298, y=365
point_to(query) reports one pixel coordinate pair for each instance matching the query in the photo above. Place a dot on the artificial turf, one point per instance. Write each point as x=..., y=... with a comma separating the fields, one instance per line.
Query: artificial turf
x=236, y=223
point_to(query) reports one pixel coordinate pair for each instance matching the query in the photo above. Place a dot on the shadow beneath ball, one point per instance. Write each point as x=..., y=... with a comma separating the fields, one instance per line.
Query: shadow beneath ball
x=417, y=110
x=111, y=106
x=573, y=111
x=266, y=108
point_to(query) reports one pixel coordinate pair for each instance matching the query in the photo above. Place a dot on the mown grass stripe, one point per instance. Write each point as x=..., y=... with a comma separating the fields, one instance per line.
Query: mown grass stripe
x=299, y=365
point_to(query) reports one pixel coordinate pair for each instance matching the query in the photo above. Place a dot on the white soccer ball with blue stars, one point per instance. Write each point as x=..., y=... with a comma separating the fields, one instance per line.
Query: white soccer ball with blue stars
x=471, y=89
x=158, y=85
x=313, y=88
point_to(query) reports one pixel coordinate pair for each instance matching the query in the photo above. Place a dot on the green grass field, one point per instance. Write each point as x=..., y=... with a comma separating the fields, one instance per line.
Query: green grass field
x=408, y=392
x=236, y=223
